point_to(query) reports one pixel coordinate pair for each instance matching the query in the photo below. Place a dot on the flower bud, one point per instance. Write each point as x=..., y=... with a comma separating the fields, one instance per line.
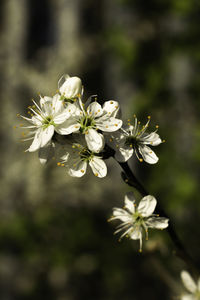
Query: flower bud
x=70, y=87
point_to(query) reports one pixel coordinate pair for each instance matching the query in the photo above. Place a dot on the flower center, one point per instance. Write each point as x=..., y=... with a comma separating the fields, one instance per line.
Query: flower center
x=86, y=123
x=68, y=100
x=131, y=141
x=86, y=154
x=48, y=121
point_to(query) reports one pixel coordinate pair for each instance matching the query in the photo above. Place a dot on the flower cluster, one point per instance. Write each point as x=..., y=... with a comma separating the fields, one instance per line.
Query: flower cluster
x=84, y=130
x=77, y=133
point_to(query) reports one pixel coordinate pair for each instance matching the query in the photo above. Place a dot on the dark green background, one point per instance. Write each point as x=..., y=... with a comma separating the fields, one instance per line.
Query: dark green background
x=55, y=242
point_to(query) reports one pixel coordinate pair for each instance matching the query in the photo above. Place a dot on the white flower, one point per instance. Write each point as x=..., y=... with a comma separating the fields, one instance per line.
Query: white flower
x=136, y=219
x=75, y=156
x=50, y=116
x=89, y=121
x=191, y=286
x=70, y=87
x=133, y=138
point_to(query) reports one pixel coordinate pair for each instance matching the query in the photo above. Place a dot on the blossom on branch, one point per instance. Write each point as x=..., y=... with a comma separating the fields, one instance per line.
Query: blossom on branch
x=93, y=120
x=134, y=139
x=75, y=156
x=49, y=116
x=70, y=88
x=192, y=287
x=136, y=219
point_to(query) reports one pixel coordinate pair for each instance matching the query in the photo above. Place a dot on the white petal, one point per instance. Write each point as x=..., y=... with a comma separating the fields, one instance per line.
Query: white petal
x=157, y=222
x=148, y=155
x=71, y=88
x=67, y=127
x=122, y=215
x=94, y=110
x=108, y=124
x=37, y=120
x=129, y=201
x=78, y=169
x=198, y=284
x=98, y=167
x=45, y=99
x=46, y=153
x=64, y=114
x=188, y=282
x=57, y=104
x=136, y=234
x=46, y=135
x=122, y=154
x=147, y=206
x=37, y=141
x=61, y=118
x=94, y=140
x=111, y=108
x=46, y=106
x=151, y=139
x=62, y=79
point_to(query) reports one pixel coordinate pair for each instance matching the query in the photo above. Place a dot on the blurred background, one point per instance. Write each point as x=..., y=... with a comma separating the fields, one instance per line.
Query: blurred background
x=55, y=242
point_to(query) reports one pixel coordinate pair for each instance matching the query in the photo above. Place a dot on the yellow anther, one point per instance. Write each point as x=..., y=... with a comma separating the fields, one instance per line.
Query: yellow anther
x=106, y=126
x=141, y=160
x=116, y=106
x=131, y=145
x=79, y=95
x=116, y=124
x=98, y=110
x=140, y=250
x=14, y=127
x=157, y=126
x=95, y=99
x=149, y=117
x=96, y=174
x=18, y=115
x=86, y=132
x=128, y=120
x=82, y=171
x=76, y=126
x=139, y=122
x=62, y=165
x=129, y=124
x=21, y=125
x=111, y=102
x=163, y=141
x=32, y=115
x=29, y=112
x=111, y=140
x=58, y=164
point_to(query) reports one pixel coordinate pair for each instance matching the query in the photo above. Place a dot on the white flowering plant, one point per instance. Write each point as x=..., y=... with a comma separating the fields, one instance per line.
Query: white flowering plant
x=79, y=133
